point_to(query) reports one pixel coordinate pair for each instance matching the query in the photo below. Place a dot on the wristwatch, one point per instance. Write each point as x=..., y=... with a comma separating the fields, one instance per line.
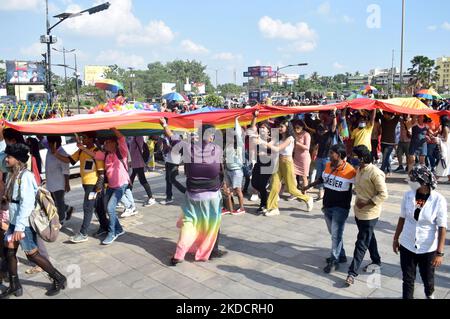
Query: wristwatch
x=440, y=254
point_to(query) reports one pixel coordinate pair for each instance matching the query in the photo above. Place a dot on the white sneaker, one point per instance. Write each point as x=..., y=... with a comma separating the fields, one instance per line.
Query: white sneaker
x=166, y=202
x=254, y=198
x=129, y=212
x=310, y=204
x=292, y=198
x=120, y=206
x=150, y=202
x=273, y=212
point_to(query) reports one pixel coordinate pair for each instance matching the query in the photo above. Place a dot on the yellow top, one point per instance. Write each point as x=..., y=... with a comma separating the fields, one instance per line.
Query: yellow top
x=363, y=136
x=89, y=167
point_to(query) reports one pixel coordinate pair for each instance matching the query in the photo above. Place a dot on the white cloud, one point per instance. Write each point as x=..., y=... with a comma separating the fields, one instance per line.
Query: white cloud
x=35, y=50
x=192, y=48
x=121, y=58
x=324, y=9
x=227, y=56
x=20, y=5
x=347, y=19
x=156, y=32
x=446, y=26
x=338, y=66
x=119, y=22
x=307, y=46
x=277, y=29
x=432, y=28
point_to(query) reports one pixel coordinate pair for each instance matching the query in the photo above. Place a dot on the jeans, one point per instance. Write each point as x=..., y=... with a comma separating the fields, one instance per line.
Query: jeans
x=387, y=151
x=335, y=218
x=431, y=158
x=321, y=163
x=409, y=262
x=58, y=197
x=171, y=179
x=142, y=179
x=366, y=241
x=127, y=199
x=113, y=197
x=88, y=209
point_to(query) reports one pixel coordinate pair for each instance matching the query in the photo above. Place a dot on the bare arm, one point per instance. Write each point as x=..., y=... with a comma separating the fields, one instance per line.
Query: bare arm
x=398, y=232
x=254, y=120
x=279, y=148
x=373, y=117
x=167, y=130
x=62, y=158
x=117, y=132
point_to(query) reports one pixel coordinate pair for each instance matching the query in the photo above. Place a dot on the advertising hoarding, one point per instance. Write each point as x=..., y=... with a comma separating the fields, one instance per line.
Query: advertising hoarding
x=94, y=73
x=25, y=72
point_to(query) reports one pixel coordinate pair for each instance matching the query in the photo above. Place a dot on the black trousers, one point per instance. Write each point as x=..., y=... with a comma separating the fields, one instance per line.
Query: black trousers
x=142, y=179
x=260, y=182
x=171, y=179
x=366, y=241
x=88, y=209
x=60, y=204
x=409, y=262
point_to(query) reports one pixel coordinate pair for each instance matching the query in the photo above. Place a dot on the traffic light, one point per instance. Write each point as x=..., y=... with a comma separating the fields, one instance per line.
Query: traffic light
x=99, y=8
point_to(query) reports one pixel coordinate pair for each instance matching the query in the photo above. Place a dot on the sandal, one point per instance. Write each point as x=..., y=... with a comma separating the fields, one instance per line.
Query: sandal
x=350, y=281
x=34, y=270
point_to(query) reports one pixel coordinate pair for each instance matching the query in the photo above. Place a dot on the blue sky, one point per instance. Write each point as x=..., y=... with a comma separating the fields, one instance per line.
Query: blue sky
x=333, y=36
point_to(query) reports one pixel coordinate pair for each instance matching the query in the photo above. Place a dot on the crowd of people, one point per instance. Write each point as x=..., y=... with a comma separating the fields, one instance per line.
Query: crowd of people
x=343, y=154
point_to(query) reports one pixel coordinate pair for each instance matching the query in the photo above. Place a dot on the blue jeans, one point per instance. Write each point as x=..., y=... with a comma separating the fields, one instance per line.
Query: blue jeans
x=431, y=148
x=335, y=218
x=321, y=163
x=113, y=197
x=128, y=199
x=387, y=151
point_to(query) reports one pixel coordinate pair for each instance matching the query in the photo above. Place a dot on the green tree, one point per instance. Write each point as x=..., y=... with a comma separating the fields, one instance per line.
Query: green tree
x=315, y=78
x=423, y=72
x=230, y=89
x=2, y=72
x=214, y=100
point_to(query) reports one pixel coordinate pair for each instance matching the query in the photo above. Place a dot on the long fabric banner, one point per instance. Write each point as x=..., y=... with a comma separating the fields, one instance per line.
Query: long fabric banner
x=141, y=122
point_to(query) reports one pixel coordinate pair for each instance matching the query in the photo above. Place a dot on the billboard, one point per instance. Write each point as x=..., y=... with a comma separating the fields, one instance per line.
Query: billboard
x=25, y=72
x=94, y=73
x=168, y=88
x=259, y=71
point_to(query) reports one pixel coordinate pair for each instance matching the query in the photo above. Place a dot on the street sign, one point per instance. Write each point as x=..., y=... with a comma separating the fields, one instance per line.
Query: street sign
x=48, y=39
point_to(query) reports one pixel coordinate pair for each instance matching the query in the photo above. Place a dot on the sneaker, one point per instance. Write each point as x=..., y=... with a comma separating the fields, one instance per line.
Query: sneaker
x=225, y=212
x=218, y=254
x=100, y=232
x=150, y=202
x=273, y=212
x=166, y=202
x=400, y=169
x=431, y=297
x=342, y=260
x=174, y=261
x=310, y=204
x=80, y=238
x=292, y=198
x=120, y=206
x=254, y=198
x=372, y=267
x=121, y=233
x=129, y=212
x=109, y=239
x=69, y=213
x=330, y=267
x=261, y=210
x=238, y=212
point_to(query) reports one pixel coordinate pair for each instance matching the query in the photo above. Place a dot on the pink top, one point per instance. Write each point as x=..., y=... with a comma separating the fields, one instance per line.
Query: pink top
x=116, y=169
x=4, y=216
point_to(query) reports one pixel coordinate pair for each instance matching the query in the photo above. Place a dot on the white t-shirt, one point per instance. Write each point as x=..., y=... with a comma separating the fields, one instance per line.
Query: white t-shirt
x=55, y=171
x=288, y=151
x=421, y=237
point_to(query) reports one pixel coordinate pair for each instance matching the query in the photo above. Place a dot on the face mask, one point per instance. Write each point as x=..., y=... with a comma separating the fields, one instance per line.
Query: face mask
x=414, y=186
x=362, y=125
x=356, y=162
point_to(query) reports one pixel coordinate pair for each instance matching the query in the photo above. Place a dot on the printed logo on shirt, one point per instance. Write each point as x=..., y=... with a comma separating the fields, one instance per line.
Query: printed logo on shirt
x=339, y=180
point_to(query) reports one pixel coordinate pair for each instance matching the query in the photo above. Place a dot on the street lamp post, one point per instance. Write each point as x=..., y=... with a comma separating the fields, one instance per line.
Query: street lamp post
x=287, y=66
x=49, y=40
x=402, y=46
x=64, y=51
x=132, y=76
x=76, y=84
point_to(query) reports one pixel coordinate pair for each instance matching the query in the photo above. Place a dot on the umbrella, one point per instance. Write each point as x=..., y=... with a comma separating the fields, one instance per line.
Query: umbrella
x=366, y=88
x=429, y=94
x=109, y=85
x=174, y=96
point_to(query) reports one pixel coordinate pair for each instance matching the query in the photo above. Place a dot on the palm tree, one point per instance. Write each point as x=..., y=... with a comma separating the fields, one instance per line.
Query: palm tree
x=315, y=77
x=423, y=73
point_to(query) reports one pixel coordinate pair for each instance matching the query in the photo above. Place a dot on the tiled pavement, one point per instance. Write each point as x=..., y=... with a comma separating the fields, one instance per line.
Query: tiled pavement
x=276, y=257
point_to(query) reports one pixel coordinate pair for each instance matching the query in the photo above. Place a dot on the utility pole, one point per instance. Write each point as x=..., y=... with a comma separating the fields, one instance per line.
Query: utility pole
x=393, y=73
x=76, y=84
x=49, y=60
x=402, y=45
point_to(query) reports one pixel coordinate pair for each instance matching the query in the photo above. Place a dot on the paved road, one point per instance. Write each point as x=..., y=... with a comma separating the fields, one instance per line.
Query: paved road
x=277, y=257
